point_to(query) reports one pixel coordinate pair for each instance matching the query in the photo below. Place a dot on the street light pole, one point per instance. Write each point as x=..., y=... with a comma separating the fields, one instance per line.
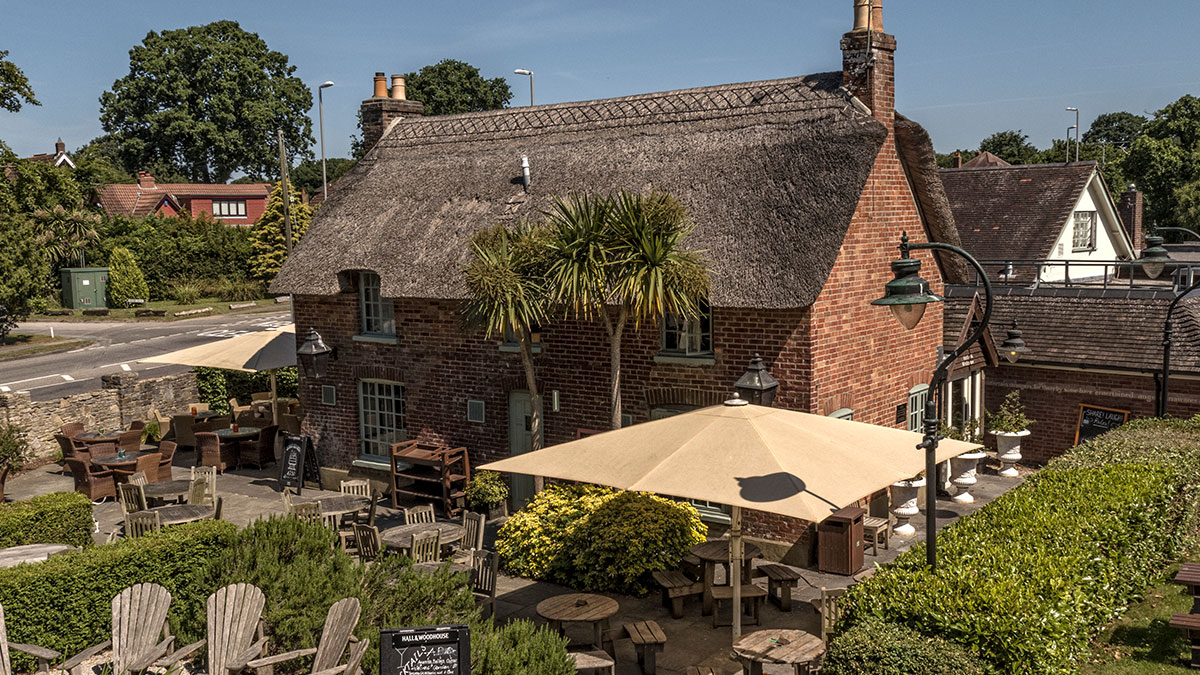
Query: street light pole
x=321, y=116
x=1076, y=111
x=523, y=71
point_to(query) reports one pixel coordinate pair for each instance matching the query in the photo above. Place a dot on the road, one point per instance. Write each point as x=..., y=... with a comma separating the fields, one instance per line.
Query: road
x=119, y=345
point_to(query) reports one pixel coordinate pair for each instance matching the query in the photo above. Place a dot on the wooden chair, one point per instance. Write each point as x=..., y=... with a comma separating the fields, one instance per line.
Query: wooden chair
x=261, y=451
x=210, y=452
x=142, y=523
x=167, y=451
x=132, y=498
x=164, y=425
x=260, y=396
x=473, y=526
x=138, y=478
x=418, y=514
x=130, y=441
x=309, y=512
x=44, y=656
x=354, y=663
x=198, y=492
x=71, y=429
x=361, y=488
x=426, y=547
x=219, y=508
x=146, y=464
x=209, y=474
x=234, y=631
x=874, y=530
x=185, y=434
x=90, y=480
x=366, y=539
x=140, y=632
x=335, y=636
x=828, y=609
x=485, y=568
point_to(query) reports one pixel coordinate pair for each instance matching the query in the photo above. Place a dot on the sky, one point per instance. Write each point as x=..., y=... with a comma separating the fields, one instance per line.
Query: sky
x=964, y=68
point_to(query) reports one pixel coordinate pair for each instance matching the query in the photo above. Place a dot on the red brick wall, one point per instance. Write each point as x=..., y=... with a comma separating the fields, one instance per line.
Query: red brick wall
x=255, y=206
x=1052, y=398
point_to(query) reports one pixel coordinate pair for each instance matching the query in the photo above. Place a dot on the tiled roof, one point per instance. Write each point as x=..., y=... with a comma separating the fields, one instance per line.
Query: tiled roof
x=131, y=199
x=1014, y=212
x=985, y=158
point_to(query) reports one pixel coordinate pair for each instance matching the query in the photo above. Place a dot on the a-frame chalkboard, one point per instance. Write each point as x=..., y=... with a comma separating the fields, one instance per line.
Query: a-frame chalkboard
x=298, y=465
x=1095, y=420
x=431, y=650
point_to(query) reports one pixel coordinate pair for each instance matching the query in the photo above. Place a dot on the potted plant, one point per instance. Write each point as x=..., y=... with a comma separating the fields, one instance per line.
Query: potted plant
x=964, y=466
x=14, y=452
x=1009, y=425
x=487, y=493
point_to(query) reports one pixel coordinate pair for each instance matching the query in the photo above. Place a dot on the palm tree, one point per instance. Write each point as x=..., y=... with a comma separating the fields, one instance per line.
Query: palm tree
x=506, y=280
x=620, y=259
x=66, y=234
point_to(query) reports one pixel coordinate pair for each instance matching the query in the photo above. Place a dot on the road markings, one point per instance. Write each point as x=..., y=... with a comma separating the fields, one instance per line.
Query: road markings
x=32, y=379
x=125, y=367
x=68, y=378
x=5, y=389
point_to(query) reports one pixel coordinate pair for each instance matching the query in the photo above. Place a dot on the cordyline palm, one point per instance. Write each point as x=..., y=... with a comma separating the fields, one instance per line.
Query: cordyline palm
x=65, y=233
x=506, y=281
x=621, y=258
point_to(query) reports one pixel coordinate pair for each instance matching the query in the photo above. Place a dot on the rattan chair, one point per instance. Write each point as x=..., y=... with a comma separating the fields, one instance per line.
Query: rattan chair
x=198, y=407
x=184, y=427
x=71, y=429
x=167, y=450
x=90, y=480
x=210, y=452
x=261, y=451
x=146, y=464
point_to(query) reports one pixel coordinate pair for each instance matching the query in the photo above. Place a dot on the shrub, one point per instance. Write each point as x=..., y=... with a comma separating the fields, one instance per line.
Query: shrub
x=125, y=279
x=237, y=290
x=63, y=603
x=56, y=518
x=519, y=648
x=15, y=452
x=485, y=490
x=598, y=539
x=267, y=237
x=217, y=386
x=185, y=292
x=882, y=648
x=1010, y=418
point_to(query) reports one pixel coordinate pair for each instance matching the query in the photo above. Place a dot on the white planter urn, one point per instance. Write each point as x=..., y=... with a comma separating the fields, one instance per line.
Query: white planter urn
x=962, y=468
x=904, y=499
x=1008, y=451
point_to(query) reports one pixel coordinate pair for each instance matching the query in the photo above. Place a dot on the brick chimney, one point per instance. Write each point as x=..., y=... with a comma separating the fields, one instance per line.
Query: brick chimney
x=379, y=111
x=1130, y=211
x=60, y=147
x=868, y=61
x=145, y=180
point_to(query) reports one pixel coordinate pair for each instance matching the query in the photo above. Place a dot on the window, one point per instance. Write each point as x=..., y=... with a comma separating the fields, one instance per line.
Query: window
x=842, y=414
x=381, y=416
x=328, y=395
x=688, y=337
x=965, y=401
x=917, y=397
x=229, y=208
x=1084, y=235
x=377, y=317
x=476, y=411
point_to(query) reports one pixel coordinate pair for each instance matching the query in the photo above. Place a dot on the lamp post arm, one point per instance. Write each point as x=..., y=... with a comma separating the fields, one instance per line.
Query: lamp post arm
x=1164, y=384
x=1185, y=230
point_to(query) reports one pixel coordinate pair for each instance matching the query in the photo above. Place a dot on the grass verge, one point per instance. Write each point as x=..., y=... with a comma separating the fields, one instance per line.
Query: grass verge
x=18, y=345
x=171, y=307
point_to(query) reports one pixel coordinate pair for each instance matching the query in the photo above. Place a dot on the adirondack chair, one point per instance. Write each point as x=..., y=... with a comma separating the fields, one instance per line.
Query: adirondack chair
x=354, y=663
x=418, y=514
x=140, y=634
x=43, y=655
x=341, y=619
x=235, y=631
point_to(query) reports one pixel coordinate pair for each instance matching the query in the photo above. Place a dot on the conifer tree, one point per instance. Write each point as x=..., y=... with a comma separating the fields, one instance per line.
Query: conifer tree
x=125, y=279
x=267, y=237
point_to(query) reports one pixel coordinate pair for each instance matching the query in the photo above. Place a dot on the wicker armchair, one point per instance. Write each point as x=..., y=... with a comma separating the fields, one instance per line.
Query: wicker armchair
x=130, y=441
x=96, y=485
x=71, y=448
x=147, y=464
x=71, y=429
x=167, y=450
x=184, y=433
x=262, y=451
x=210, y=452
x=98, y=450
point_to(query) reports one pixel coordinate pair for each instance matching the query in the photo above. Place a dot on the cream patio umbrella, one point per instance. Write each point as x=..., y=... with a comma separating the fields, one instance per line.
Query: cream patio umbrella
x=747, y=456
x=253, y=352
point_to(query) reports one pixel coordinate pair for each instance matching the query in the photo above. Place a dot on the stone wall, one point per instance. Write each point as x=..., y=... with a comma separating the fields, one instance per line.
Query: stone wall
x=122, y=398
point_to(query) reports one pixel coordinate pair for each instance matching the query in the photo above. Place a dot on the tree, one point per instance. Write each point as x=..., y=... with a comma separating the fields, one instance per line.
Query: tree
x=1115, y=128
x=66, y=233
x=621, y=259
x=125, y=280
x=307, y=174
x=267, y=238
x=36, y=185
x=23, y=271
x=452, y=87
x=14, y=86
x=206, y=101
x=1011, y=146
x=506, y=281
x=1165, y=159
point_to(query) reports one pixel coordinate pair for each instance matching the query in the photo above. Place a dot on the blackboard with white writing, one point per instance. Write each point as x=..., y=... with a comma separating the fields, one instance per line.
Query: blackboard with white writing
x=431, y=650
x=298, y=463
x=1095, y=420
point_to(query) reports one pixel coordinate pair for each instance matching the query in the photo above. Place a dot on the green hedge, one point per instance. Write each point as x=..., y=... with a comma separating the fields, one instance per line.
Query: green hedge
x=56, y=518
x=882, y=648
x=64, y=602
x=217, y=386
x=1025, y=582
x=598, y=539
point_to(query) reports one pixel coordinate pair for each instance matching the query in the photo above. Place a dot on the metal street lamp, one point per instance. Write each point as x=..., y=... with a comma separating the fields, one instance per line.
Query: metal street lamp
x=522, y=71
x=1158, y=257
x=321, y=116
x=1013, y=346
x=906, y=296
x=1076, y=111
x=1154, y=257
x=314, y=355
x=757, y=385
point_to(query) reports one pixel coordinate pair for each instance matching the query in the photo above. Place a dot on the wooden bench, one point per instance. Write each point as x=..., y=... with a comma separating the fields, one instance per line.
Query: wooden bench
x=872, y=529
x=594, y=660
x=780, y=582
x=675, y=587
x=751, y=594
x=648, y=640
x=702, y=670
x=1190, y=625
x=692, y=567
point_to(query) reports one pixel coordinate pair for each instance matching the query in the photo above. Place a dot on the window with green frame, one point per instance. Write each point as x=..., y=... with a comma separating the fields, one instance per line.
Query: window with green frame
x=381, y=416
x=378, y=316
x=917, y=396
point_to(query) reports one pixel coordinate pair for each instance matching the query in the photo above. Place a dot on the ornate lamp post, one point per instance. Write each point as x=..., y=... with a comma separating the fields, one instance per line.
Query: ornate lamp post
x=314, y=355
x=756, y=385
x=1154, y=259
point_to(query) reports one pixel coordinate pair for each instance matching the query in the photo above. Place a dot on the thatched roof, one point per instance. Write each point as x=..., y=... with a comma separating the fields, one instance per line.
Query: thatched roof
x=771, y=173
x=920, y=163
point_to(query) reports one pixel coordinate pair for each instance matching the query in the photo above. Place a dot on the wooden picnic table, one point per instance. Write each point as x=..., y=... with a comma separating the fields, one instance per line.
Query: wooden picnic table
x=401, y=535
x=793, y=647
x=716, y=552
x=30, y=553
x=337, y=505
x=167, y=489
x=176, y=514
x=579, y=608
x=1189, y=576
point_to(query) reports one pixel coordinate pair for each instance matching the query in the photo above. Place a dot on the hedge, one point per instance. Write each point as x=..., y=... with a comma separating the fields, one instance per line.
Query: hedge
x=1025, y=582
x=598, y=539
x=64, y=603
x=882, y=648
x=56, y=518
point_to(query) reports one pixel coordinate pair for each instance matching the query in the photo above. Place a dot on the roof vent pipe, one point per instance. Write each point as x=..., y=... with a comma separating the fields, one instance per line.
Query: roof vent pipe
x=525, y=172
x=398, y=87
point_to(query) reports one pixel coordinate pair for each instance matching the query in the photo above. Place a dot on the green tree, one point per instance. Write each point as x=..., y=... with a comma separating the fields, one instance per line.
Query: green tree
x=450, y=87
x=206, y=101
x=35, y=185
x=621, y=259
x=506, y=281
x=1165, y=159
x=1011, y=146
x=14, y=86
x=125, y=278
x=267, y=238
x=66, y=233
x=1115, y=128
x=307, y=174
x=23, y=271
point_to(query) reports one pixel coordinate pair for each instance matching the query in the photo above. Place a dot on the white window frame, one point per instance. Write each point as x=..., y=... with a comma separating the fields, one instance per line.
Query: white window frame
x=695, y=334
x=229, y=208
x=918, y=396
x=971, y=386
x=380, y=417
x=1086, y=219
x=378, y=314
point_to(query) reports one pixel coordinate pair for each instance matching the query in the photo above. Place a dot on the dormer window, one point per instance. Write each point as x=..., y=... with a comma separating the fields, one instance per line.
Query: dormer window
x=229, y=208
x=1084, y=234
x=377, y=315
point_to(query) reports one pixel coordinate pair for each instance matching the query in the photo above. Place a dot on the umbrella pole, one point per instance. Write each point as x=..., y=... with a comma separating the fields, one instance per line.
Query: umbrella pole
x=735, y=568
x=274, y=401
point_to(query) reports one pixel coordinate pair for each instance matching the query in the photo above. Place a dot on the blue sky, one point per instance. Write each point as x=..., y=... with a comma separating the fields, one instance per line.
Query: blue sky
x=964, y=68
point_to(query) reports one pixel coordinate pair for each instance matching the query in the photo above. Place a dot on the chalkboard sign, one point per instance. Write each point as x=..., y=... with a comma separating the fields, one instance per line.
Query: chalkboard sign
x=298, y=463
x=1095, y=420
x=432, y=650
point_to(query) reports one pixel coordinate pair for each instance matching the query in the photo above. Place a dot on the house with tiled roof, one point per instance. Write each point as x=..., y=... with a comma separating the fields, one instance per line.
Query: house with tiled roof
x=58, y=158
x=236, y=204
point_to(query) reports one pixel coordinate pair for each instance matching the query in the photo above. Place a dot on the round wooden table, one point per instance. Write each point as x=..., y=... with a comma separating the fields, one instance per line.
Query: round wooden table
x=777, y=645
x=401, y=535
x=111, y=461
x=175, y=514
x=243, y=433
x=167, y=489
x=30, y=553
x=716, y=552
x=579, y=608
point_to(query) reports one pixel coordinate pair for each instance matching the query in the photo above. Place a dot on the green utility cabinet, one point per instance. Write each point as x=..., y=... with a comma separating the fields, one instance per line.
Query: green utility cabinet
x=84, y=287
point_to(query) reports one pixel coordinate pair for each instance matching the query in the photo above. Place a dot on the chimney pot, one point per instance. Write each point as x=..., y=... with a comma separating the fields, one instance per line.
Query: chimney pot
x=862, y=14
x=398, y=87
x=877, y=15
x=957, y=159
x=380, y=85
x=145, y=180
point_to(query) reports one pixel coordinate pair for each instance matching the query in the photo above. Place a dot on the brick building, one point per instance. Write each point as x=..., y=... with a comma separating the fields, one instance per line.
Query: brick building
x=800, y=189
x=236, y=204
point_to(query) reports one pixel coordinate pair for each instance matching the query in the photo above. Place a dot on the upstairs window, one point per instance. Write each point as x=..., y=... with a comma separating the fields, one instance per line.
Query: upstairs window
x=1084, y=234
x=376, y=310
x=917, y=396
x=688, y=337
x=229, y=208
